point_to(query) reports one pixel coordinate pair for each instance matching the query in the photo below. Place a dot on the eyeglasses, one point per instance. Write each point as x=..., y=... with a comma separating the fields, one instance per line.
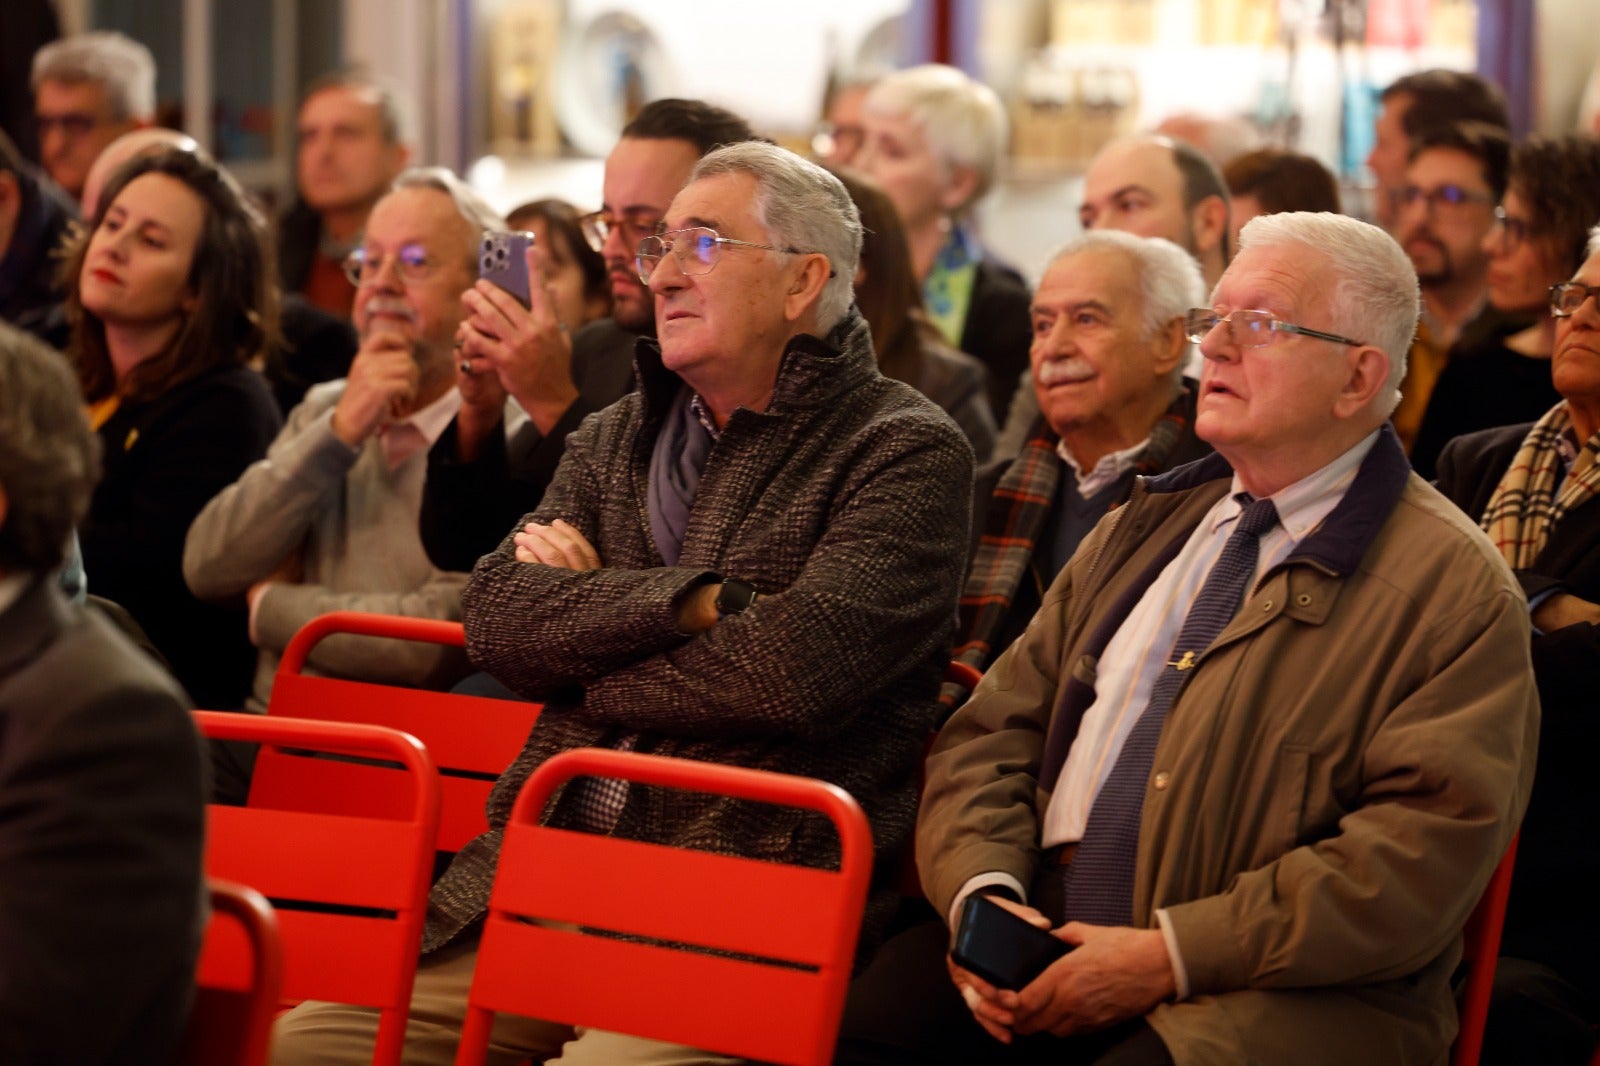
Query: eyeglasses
x=1513, y=230
x=411, y=264
x=74, y=124
x=1566, y=298
x=632, y=226
x=696, y=248
x=1252, y=329
x=1444, y=198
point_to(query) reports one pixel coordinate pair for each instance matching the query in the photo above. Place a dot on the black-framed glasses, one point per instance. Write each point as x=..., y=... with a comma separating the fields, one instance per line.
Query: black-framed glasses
x=1513, y=231
x=697, y=249
x=633, y=226
x=1566, y=298
x=1443, y=198
x=1252, y=329
x=411, y=264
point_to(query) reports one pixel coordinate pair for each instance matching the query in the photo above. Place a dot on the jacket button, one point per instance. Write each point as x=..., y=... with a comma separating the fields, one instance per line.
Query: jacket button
x=1162, y=780
x=1266, y=607
x=1304, y=599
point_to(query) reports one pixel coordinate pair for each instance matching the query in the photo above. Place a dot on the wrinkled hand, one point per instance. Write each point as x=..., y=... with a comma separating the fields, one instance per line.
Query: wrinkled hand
x=1115, y=973
x=1564, y=609
x=383, y=379
x=994, y=1008
x=557, y=544
x=526, y=349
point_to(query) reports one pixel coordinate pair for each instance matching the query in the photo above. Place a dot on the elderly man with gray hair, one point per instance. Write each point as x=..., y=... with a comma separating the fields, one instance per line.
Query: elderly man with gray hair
x=88, y=91
x=328, y=520
x=1108, y=354
x=1259, y=752
x=752, y=559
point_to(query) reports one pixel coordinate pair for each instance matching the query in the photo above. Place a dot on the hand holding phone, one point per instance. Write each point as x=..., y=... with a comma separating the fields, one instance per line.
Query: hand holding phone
x=1000, y=947
x=503, y=260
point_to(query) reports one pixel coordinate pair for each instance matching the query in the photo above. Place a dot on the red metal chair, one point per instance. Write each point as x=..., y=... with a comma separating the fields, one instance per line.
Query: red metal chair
x=1480, y=951
x=804, y=920
x=237, y=981
x=471, y=738
x=369, y=875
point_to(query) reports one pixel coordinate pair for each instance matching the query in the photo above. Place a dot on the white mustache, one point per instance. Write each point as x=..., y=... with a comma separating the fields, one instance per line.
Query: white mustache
x=390, y=305
x=1062, y=371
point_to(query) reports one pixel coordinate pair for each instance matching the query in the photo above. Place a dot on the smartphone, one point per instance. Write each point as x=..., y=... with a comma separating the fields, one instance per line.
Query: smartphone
x=503, y=260
x=1000, y=947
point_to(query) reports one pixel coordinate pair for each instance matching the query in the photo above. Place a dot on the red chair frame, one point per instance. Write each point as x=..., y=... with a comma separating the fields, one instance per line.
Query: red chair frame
x=237, y=981
x=801, y=916
x=382, y=864
x=471, y=738
x=1481, y=951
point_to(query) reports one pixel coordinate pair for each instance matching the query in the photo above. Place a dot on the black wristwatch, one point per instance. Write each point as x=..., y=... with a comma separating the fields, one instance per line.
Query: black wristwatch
x=734, y=597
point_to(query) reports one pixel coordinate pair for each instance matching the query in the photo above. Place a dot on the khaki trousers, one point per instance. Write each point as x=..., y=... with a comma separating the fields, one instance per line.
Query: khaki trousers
x=336, y=1034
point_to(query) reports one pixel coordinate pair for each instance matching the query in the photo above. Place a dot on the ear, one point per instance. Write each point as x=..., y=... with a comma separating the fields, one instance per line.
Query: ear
x=1367, y=378
x=960, y=187
x=1209, y=220
x=1172, y=347
x=805, y=286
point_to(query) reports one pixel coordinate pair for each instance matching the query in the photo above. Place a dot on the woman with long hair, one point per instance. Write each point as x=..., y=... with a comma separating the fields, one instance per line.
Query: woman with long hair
x=172, y=301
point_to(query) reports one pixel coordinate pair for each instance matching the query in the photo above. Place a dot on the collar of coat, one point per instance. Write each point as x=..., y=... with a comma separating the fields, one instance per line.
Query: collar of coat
x=812, y=374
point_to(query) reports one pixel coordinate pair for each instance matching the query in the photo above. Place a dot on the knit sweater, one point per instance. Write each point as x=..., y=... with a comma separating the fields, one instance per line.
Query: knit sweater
x=845, y=503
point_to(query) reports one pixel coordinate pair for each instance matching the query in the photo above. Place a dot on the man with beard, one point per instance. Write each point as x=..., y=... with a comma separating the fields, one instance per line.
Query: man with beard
x=1413, y=104
x=327, y=521
x=1456, y=177
x=481, y=478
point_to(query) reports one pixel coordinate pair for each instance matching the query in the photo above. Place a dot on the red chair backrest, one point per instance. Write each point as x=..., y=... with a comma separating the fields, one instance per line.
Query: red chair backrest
x=1480, y=950
x=805, y=919
x=472, y=739
x=377, y=864
x=237, y=981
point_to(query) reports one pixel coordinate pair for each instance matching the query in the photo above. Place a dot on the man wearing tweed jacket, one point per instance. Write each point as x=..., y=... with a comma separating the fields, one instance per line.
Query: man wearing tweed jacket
x=752, y=559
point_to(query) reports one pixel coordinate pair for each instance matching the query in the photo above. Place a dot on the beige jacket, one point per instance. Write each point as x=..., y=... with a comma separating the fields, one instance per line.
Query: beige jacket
x=1337, y=780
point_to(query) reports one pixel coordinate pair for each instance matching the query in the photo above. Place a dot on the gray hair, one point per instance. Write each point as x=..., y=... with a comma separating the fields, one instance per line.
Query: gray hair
x=1377, y=299
x=801, y=206
x=471, y=206
x=394, y=106
x=120, y=65
x=1593, y=247
x=963, y=120
x=49, y=459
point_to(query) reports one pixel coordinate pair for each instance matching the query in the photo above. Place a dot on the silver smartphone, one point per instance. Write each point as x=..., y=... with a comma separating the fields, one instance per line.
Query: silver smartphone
x=503, y=260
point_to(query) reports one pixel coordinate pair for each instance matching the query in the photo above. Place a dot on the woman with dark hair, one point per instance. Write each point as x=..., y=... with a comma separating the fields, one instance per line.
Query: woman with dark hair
x=909, y=347
x=171, y=298
x=1552, y=198
x=574, y=273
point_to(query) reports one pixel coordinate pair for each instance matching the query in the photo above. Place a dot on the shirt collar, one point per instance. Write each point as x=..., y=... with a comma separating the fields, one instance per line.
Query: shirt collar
x=432, y=420
x=1303, y=505
x=1106, y=471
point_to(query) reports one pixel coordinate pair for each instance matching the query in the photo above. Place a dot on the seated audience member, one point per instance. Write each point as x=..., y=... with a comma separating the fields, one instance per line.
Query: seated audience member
x=101, y=800
x=1266, y=740
x=483, y=475
x=753, y=560
x=354, y=139
x=909, y=347
x=1220, y=138
x=88, y=90
x=328, y=520
x=146, y=141
x=1108, y=354
x=1552, y=198
x=1532, y=487
x=35, y=217
x=1270, y=180
x=934, y=141
x=172, y=298
x=842, y=133
x=1415, y=103
x=574, y=273
x=1456, y=177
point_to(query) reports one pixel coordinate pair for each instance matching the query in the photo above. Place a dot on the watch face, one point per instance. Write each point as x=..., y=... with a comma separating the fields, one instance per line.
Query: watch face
x=735, y=596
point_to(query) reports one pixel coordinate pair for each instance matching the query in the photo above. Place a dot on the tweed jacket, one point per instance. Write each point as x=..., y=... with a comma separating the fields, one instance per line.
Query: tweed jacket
x=845, y=504
x=1334, y=784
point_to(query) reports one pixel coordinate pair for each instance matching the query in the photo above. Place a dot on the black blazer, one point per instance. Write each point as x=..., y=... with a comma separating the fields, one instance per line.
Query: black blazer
x=101, y=819
x=162, y=462
x=999, y=330
x=1552, y=916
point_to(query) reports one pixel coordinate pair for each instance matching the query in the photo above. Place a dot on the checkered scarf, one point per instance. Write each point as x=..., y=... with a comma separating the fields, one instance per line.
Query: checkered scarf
x=1016, y=518
x=1531, y=497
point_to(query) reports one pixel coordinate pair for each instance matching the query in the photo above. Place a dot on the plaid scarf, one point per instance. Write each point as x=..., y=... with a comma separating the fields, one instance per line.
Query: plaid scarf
x=1016, y=518
x=1531, y=498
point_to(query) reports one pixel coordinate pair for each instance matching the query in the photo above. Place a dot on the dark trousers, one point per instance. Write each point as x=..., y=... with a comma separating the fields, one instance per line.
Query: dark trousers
x=1537, y=1018
x=904, y=1009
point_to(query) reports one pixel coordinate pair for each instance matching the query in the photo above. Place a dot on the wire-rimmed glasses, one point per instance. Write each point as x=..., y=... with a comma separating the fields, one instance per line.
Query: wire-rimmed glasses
x=1252, y=329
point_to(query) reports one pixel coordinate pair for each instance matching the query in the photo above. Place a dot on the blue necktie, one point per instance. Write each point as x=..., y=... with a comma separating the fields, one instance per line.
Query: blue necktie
x=1099, y=882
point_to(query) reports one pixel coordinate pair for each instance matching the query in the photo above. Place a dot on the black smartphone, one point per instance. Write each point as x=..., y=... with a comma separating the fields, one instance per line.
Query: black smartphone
x=1000, y=947
x=503, y=260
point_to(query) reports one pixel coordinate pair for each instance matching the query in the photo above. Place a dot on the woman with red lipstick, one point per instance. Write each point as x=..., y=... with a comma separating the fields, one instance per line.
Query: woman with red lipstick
x=171, y=301
x=1552, y=198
